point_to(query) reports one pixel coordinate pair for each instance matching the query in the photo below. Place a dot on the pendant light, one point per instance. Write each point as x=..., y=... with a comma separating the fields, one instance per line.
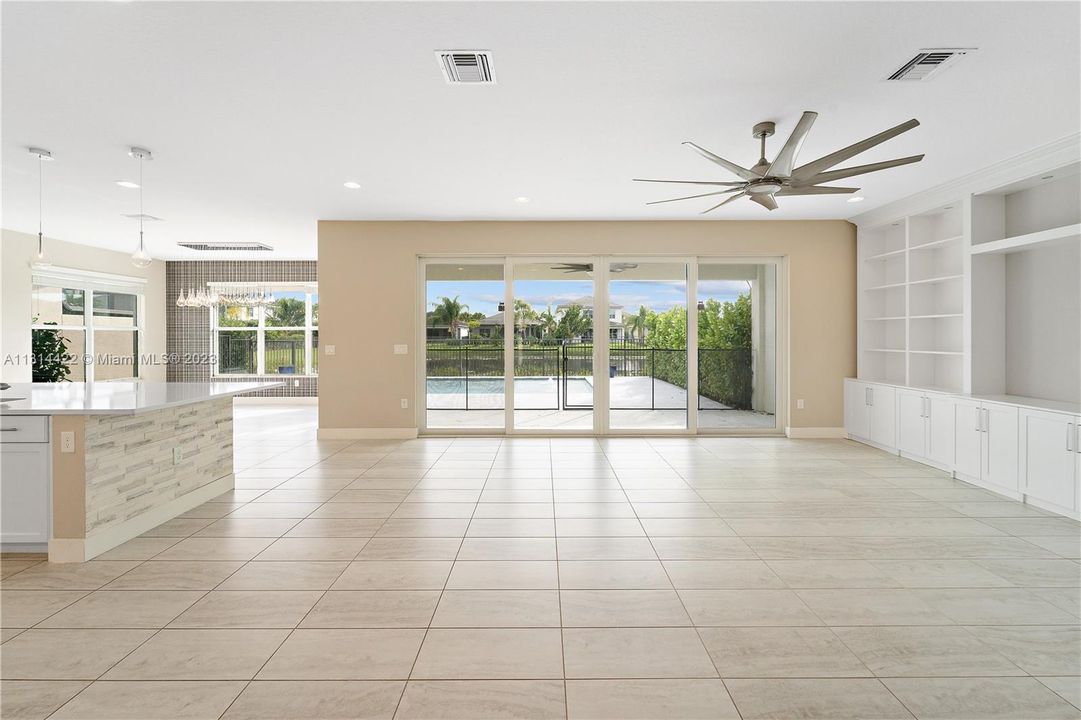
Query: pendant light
x=140, y=258
x=43, y=156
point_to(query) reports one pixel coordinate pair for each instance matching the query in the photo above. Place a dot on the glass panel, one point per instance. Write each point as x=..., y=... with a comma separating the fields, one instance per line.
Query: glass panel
x=315, y=352
x=63, y=348
x=58, y=306
x=553, y=346
x=236, y=352
x=115, y=310
x=230, y=315
x=737, y=346
x=116, y=353
x=647, y=356
x=315, y=308
x=284, y=352
x=287, y=310
x=464, y=347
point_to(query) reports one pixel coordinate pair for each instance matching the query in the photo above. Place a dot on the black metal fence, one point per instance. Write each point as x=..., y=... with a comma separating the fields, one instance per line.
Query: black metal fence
x=238, y=354
x=725, y=376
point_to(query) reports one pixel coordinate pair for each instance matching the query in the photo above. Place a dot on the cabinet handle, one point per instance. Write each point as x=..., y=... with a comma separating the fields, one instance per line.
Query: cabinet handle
x=979, y=420
x=9, y=429
x=1069, y=436
x=927, y=407
x=986, y=420
x=871, y=396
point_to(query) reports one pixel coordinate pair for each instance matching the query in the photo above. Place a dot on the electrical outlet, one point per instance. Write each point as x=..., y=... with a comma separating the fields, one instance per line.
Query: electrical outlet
x=401, y=349
x=296, y=383
x=177, y=456
x=405, y=404
x=67, y=442
x=799, y=404
x=330, y=349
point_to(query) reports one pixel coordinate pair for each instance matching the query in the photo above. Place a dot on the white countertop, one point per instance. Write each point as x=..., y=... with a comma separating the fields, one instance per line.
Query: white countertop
x=115, y=398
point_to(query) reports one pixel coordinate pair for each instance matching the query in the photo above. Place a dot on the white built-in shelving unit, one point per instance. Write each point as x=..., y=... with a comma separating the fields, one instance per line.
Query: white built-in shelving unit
x=981, y=291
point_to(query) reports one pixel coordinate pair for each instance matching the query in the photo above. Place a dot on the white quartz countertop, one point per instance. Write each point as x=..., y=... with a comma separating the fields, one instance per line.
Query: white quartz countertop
x=115, y=398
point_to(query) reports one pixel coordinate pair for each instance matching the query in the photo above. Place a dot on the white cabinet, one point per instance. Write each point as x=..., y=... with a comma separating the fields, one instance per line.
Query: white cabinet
x=1050, y=459
x=985, y=444
x=925, y=426
x=870, y=412
x=24, y=481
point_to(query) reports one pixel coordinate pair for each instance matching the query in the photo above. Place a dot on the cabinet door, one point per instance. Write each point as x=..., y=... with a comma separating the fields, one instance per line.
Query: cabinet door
x=883, y=415
x=968, y=438
x=940, y=429
x=1049, y=466
x=856, y=408
x=1000, y=445
x=24, y=493
x=911, y=423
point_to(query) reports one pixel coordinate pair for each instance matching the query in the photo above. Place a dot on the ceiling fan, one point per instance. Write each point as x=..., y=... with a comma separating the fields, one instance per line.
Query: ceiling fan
x=766, y=180
x=616, y=267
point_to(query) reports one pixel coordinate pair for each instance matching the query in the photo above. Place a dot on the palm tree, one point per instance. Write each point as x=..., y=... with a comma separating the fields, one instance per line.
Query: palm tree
x=449, y=312
x=548, y=322
x=574, y=323
x=636, y=324
x=523, y=315
x=286, y=312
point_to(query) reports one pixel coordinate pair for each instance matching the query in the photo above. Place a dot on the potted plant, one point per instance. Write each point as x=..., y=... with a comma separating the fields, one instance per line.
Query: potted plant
x=50, y=355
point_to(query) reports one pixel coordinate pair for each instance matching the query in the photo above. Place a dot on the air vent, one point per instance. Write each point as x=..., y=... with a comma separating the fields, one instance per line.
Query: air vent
x=231, y=246
x=466, y=66
x=929, y=62
x=144, y=217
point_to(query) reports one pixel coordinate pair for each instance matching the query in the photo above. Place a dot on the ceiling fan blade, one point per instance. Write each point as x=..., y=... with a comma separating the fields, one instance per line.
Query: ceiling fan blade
x=723, y=203
x=858, y=170
x=804, y=172
x=816, y=190
x=691, y=197
x=765, y=201
x=726, y=164
x=687, y=182
x=786, y=158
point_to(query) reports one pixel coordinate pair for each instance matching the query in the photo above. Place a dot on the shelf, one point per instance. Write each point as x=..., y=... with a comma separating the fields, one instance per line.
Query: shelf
x=936, y=352
x=886, y=286
x=883, y=350
x=936, y=243
x=895, y=317
x=1030, y=241
x=935, y=317
x=928, y=281
x=882, y=256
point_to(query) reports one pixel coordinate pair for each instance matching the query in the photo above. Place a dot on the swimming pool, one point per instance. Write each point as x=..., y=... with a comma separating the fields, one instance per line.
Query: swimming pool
x=488, y=392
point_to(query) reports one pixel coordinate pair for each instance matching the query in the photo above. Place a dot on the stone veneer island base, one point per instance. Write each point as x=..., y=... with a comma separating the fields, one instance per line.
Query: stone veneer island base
x=143, y=454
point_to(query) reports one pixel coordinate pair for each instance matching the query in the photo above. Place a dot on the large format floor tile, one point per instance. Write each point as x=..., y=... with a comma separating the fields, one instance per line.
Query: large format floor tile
x=648, y=578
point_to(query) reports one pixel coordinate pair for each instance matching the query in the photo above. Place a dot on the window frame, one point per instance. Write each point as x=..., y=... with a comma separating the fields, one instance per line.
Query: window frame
x=310, y=290
x=88, y=283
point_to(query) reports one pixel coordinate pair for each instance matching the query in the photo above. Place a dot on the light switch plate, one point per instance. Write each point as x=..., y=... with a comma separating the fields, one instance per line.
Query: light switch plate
x=330, y=349
x=401, y=349
x=799, y=404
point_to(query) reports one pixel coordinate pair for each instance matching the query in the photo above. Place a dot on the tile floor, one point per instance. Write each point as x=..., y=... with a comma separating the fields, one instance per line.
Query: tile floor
x=537, y=578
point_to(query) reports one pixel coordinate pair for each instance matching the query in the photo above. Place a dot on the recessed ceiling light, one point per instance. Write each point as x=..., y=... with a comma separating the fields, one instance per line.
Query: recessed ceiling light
x=352, y=185
x=856, y=198
x=127, y=184
x=521, y=199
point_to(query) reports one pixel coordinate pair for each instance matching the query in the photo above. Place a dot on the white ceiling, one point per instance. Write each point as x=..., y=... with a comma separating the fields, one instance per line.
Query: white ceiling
x=258, y=112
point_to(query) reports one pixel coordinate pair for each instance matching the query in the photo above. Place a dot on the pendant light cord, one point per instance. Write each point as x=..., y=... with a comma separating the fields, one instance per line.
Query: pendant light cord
x=141, y=248
x=41, y=205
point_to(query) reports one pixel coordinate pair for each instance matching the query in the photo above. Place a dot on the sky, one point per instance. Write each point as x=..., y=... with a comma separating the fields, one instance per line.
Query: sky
x=485, y=295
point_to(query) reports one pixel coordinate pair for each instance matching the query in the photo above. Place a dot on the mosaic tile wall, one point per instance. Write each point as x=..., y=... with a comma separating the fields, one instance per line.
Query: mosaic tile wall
x=129, y=459
x=188, y=329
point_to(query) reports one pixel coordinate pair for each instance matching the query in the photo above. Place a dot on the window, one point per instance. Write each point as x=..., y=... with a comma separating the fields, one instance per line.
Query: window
x=99, y=317
x=280, y=338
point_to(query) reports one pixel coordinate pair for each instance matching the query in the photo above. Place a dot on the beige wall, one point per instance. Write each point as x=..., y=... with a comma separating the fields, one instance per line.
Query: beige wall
x=19, y=250
x=368, y=271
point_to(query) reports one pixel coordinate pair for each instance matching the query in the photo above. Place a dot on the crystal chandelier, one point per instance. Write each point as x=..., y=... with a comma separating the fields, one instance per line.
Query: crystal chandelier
x=247, y=296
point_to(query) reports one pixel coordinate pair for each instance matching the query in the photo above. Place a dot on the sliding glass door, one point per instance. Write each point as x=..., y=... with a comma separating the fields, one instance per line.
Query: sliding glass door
x=598, y=345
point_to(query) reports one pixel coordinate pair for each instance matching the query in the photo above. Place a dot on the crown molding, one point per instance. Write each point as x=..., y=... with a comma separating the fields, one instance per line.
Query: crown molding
x=1053, y=155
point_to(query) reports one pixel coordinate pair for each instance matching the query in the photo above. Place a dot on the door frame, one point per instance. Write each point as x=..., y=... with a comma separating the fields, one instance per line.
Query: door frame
x=601, y=344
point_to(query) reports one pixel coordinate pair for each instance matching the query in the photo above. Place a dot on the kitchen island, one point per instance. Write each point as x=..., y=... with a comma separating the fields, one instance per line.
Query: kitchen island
x=85, y=467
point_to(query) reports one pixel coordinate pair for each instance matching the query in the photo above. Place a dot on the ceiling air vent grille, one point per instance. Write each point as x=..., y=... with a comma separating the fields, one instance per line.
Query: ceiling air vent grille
x=466, y=66
x=929, y=62
x=231, y=246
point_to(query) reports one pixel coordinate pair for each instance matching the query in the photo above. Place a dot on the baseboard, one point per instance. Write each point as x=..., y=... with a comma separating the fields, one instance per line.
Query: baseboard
x=804, y=433
x=278, y=400
x=366, y=433
x=68, y=550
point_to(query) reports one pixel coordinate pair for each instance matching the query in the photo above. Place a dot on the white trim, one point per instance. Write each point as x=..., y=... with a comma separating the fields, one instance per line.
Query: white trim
x=51, y=273
x=803, y=433
x=366, y=433
x=1054, y=154
x=67, y=550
